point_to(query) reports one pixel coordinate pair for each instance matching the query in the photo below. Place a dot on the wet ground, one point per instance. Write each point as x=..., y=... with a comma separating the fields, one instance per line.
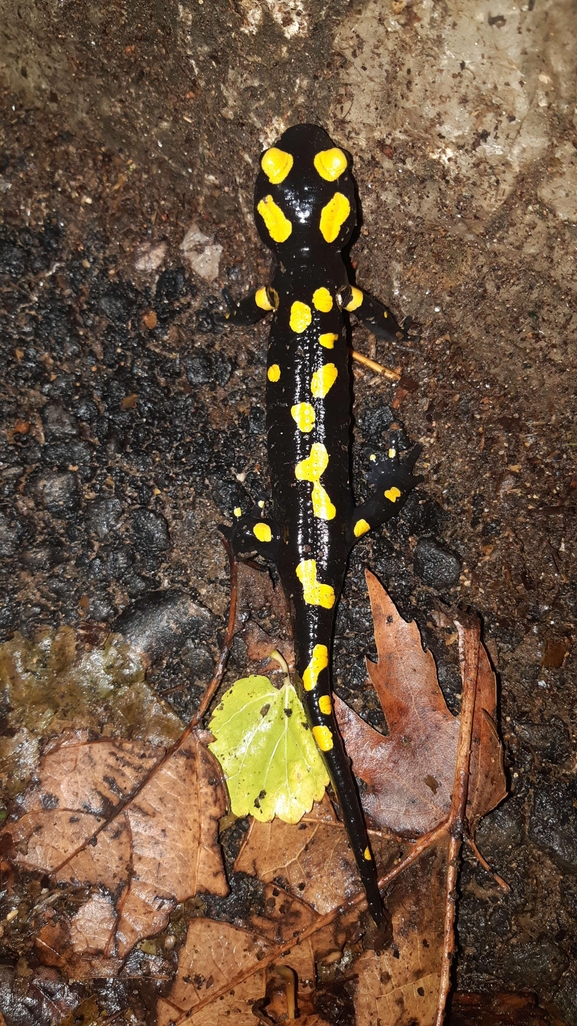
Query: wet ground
x=132, y=425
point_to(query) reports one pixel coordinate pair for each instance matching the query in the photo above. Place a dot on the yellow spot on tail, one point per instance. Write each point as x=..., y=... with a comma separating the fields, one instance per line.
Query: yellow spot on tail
x=333, y=216
x=311, y=469
x=330, y=164
x=324, y=738
x=237, y=511
x=262, y=300
x=276, y=164
x=367, y=855
x=314, y=593
x=328, y=339
x=262, y=532
x=273, y=373
x=355, y=300
x=300, y=317
x=392, y=453
x=304, y=415
x=361, y=527
x=323, y=380
x=322, y=300
x=325, y=705
x=319, y=662
x=260, y=503
x=278, y=226
x=392, y=494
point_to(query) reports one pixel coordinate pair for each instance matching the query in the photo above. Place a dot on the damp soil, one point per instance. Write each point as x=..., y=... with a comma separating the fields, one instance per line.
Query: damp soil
x=133, y=422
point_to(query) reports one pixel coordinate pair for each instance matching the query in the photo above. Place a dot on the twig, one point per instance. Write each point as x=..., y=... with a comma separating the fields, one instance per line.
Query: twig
x=469, y=641
x=377, y=368
x=226, y=645
x=483, y=862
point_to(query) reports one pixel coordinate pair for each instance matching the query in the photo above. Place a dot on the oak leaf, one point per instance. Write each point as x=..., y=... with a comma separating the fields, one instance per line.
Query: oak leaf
x=128, y=818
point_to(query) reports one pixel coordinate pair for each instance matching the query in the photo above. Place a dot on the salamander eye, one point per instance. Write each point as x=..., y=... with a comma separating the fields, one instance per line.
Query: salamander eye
x=330, y=164
x=276, y=164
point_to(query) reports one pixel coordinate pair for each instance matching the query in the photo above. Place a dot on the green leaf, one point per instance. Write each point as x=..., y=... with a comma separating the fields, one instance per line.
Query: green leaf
x=267, y=752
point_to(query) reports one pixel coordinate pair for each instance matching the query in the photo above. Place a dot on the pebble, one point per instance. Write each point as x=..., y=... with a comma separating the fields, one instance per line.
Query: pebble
x=435, y=564
x=58, y=423
x=57, y=492
x=553, y=823
x=150, y=530
x=104, y=516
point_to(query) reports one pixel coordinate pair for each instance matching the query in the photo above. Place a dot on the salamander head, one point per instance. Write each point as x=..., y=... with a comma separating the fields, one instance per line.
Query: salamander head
x=305, y=202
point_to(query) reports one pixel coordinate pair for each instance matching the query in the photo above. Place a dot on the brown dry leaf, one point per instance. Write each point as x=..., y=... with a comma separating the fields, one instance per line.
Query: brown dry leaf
x=410, y=772
x=400, y=985
x=120, y=816
x=299, y=856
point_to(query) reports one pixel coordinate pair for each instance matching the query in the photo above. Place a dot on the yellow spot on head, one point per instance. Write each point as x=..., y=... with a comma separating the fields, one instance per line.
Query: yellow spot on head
x=355, y=300
x=324, y=738
x=392, y=494
x=333, y=216
x=304, y=415
x=278, y=226
x=276, y=164
x=260, y=503
x=328, y=339
x=330, y=164
x=300, y=317
x=237, y=511
x=322, y=300
x=273, y=373
x=325, y=705
x=323, y=380
x=319, y=662
x=314, y=593
x=262, y=300
x=367, y=855
x=262, y=532
x=361, y=527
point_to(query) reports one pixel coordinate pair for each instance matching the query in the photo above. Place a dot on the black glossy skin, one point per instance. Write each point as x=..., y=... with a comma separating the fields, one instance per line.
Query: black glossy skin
x=300, y=531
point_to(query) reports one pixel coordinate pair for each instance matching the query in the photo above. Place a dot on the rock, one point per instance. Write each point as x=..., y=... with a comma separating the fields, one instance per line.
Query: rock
x=104, y=517
x=57, y=492
x=553, y=823
x=150, y=531
x=58, y=423
x=436, y=565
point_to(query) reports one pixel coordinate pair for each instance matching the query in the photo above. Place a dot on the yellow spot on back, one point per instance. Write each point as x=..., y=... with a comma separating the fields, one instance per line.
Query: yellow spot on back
x=361, y=527
x=311, y=469
x=325, y=705
x=333, y=216
x=323, y=380
x=261, y=299
x=330, y=164
x=276, y=164
x=319, y=662
x=314, y=593
x=278, y=226
x=273, y=373
x=237, y=511
x=367, y=855
x=324, y=738
x=322, y=300
x=392, y=453
x=392, y=494
x=355, y=300
x=262, y=532
x=304, y=415
x=328, y=339
x=300, y=317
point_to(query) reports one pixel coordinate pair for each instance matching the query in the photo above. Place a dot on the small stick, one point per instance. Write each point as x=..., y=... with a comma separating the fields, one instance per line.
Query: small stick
x=377, y=368
x=469, y=641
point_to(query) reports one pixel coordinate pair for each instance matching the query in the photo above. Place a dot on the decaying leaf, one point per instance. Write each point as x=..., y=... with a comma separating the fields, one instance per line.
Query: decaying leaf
x=120, y=816
x=409, y=774
x=267, y=752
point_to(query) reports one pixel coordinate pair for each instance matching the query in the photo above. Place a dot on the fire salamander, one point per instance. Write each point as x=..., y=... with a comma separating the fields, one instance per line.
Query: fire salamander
x=305, y=211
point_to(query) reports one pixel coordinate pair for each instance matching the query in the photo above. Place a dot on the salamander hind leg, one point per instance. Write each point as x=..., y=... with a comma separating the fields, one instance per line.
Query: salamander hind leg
x=377, y=317
x=253, y=533
x=392, y=480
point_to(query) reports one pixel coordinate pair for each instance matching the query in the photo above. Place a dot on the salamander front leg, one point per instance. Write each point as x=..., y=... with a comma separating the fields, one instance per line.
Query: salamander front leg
x=252, y=532
x=252, y=308
x=392, y=480
x=377, y=317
